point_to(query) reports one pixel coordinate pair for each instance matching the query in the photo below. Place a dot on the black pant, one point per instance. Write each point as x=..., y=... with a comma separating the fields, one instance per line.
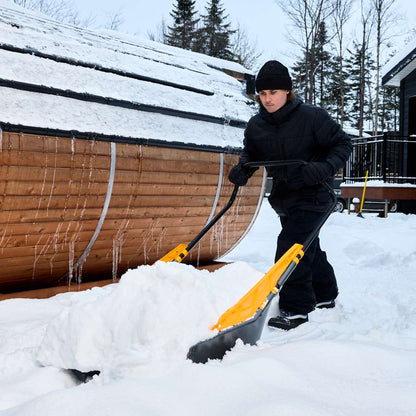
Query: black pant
x=313, y=280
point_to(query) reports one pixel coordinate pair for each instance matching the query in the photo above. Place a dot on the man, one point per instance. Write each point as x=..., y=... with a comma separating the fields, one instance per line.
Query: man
x=287, y=129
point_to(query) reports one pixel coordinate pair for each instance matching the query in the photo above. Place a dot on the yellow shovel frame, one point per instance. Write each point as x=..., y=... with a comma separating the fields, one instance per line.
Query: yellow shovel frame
x=256, y=298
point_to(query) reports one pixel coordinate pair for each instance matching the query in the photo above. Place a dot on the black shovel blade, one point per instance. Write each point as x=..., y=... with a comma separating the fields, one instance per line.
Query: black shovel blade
x=83, y=376
x=215, y=348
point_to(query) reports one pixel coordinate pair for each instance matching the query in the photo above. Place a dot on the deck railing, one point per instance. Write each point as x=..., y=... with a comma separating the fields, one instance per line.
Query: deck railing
x=388, y=158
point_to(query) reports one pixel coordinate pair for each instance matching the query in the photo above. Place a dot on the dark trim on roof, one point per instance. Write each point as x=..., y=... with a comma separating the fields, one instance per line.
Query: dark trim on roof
x=60, y=59
x=69, y=134
x=399, y=67
x=41, y=89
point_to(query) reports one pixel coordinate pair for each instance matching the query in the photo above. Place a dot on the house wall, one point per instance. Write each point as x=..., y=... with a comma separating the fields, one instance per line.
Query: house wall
x=408, y=111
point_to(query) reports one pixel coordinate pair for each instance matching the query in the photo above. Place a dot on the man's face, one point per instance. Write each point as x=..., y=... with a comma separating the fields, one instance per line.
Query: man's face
x=272, y=100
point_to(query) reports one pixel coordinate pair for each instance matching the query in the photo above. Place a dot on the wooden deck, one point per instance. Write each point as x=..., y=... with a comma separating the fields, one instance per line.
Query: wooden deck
x=390, y=192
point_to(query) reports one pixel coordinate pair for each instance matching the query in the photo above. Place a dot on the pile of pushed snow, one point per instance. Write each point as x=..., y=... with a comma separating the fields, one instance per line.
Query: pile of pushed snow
x=155, y=313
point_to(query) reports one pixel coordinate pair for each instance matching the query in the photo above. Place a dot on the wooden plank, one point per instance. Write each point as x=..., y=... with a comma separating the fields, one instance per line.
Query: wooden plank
x=165, y=154
x=89, y=162
x=13, y=202
x=59, y=215
x=28, y=173
x=380, y=192
x=37, y=188
x=35, y=173
x=51, y=144
x=56, y=160
x=71, y=224
x=46, y=144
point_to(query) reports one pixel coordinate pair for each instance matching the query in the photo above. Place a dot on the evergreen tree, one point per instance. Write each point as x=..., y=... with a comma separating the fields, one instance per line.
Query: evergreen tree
x=323, y=63
x=215, y=35
x=299, y=78
x=360, y=66
x=311, y=73
x=389, y=109
x=183, y=32
x=335, y=90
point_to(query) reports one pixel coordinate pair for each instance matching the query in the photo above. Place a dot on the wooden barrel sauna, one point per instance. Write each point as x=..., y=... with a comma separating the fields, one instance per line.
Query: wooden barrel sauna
x=75, y=210
x=113, y=150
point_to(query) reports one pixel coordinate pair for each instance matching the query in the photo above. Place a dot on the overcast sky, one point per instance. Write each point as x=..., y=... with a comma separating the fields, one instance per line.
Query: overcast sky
x=263, y=20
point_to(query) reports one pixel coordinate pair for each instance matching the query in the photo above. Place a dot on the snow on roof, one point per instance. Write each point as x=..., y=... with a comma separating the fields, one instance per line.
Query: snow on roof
x=57, y=76
x=401, y=65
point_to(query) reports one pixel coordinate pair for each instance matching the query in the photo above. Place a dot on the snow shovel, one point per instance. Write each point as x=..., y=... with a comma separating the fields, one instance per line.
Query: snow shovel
x=245, y=320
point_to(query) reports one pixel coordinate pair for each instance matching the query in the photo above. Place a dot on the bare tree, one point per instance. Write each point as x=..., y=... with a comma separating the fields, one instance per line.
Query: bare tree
x=367, y=22
x=160, y=34
x=61, y=10
x=245, y=52
x=307, y=16
x=115, y=20
x=382, y=19
x=341, y=15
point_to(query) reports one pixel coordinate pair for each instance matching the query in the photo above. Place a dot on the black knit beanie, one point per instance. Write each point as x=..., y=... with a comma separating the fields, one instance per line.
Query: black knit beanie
x=273, y=76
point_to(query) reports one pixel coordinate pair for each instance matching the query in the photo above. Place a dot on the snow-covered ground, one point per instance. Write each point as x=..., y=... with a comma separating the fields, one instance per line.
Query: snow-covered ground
x=357, y=359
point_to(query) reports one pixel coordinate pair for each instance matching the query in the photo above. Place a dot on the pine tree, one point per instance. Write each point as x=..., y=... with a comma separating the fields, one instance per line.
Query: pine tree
x=335, y=90
x=311, y=73
x=183, y=32
x=389, y=109
x=215, y=35
x=360, y=66
x=323, y=63
x=299, y=78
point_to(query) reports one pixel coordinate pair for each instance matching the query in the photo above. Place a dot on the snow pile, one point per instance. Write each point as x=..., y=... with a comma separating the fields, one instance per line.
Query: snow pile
x=154, y=313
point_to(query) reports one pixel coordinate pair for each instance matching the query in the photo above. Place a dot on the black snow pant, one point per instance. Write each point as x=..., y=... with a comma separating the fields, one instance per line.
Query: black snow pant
x=313, y=280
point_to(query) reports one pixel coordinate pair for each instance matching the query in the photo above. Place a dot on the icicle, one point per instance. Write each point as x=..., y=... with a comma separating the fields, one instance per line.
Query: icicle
x=198, y=255
x=116, y=258
x=145, y=252
x=77, y=273
x=71, y=262
x=160, y=241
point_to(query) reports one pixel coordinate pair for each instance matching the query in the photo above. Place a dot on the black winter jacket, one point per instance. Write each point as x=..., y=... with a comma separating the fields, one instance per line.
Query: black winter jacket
x=296, y=131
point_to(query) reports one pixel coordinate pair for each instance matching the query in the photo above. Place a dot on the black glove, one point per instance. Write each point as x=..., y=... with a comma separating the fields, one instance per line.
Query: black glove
x=239, y=175
x=316, y=172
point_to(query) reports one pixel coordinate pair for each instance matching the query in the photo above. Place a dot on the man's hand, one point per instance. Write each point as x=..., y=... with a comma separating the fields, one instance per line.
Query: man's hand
x=316, y=172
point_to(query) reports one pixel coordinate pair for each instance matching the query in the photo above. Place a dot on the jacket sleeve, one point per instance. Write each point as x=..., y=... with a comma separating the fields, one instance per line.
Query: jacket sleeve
x=330, y=137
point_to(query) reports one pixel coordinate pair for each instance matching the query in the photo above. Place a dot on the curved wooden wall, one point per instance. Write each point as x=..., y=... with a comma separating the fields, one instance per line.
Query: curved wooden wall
x=74, y=209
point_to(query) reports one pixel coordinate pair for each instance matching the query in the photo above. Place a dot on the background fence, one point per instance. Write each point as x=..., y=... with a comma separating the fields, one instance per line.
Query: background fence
x=388, y=158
